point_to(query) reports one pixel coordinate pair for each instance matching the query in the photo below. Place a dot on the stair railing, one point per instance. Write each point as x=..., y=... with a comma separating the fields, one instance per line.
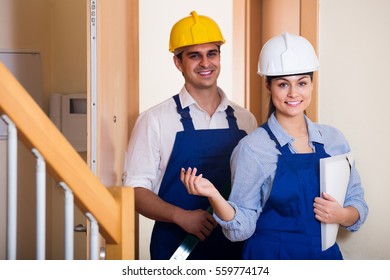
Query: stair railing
x=110, y=209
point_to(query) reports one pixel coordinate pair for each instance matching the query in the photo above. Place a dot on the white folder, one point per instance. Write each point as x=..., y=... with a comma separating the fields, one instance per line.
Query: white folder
x=334, y=177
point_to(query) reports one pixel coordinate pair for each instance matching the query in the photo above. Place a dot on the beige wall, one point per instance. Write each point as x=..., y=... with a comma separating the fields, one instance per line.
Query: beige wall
x=353, y=96
x=25, y=25
x=69, y=46
x=55, y=28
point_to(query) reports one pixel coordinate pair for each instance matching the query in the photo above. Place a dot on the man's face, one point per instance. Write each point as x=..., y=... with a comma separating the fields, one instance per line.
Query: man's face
x=200, y=65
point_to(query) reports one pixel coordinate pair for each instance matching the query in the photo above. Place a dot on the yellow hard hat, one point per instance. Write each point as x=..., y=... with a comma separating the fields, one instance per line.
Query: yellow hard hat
x=194, y=30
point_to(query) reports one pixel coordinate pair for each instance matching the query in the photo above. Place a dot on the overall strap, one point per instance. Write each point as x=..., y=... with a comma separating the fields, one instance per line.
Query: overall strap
x=232, y=120
x=184, y=113
x=285, y=149
x=319, y=148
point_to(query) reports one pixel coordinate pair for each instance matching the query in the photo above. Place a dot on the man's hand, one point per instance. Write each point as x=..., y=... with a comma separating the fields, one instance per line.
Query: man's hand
x=197, y=222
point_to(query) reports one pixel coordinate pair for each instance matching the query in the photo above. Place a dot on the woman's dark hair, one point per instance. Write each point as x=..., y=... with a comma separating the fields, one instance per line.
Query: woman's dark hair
x=268, y=79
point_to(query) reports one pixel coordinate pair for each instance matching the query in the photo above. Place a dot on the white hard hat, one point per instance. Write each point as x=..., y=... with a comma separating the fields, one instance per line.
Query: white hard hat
x=287, y=54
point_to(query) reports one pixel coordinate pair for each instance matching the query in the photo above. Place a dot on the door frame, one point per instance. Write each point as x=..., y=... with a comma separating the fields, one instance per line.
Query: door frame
x=256, y=21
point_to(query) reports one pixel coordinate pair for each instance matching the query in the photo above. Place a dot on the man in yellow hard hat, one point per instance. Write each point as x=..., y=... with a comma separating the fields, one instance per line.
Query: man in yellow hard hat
x=200, y=127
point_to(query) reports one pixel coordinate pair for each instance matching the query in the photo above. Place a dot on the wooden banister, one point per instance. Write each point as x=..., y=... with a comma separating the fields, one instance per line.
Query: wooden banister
x=126, y=248
x=36, y=130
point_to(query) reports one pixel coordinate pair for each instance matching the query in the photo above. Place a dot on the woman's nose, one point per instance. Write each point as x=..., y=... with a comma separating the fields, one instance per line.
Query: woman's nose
x=294, y=90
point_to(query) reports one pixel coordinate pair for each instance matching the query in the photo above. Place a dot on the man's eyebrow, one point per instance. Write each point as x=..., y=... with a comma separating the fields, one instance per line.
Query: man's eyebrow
x=198, y=52
x=194, y=52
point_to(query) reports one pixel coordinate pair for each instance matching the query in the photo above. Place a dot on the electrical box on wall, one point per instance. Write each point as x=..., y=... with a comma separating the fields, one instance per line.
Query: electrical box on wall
x=69, y=114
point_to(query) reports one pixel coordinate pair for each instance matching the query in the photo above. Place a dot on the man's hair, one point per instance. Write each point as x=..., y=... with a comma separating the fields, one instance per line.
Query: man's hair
x=180, y=54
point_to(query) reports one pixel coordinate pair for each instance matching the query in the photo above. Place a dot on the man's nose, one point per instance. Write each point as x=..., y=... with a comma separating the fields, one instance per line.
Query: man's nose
x=204, y=61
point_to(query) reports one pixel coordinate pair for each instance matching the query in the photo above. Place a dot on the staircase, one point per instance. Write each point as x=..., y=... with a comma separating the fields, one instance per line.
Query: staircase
x=111, y=208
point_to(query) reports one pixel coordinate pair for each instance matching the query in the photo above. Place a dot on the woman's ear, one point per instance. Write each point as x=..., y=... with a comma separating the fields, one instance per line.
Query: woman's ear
x=268, y=87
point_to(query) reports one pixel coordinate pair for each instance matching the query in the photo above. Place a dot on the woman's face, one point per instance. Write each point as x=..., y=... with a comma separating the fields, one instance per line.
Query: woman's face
x=291, y=95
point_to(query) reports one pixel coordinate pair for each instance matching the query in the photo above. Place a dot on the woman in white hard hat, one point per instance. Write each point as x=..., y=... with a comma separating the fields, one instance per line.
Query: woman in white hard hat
x=275, y=203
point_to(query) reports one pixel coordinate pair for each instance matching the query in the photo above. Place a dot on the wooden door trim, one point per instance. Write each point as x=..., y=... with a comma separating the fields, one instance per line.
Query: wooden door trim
x=251, y=29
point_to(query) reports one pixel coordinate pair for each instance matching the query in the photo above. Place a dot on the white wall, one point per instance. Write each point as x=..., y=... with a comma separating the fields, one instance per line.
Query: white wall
x=353, y=96
x=159, y=78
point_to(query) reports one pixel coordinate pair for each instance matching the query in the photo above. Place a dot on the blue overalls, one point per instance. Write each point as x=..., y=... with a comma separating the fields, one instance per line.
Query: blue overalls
x=208, y=150
x=287, y=228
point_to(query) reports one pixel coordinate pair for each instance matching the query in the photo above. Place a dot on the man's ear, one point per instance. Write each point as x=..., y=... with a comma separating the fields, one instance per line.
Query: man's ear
x=178, y=63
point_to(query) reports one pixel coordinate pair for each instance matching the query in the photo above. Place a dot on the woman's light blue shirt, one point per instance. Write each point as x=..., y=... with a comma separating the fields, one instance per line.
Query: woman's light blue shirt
x=253, y=165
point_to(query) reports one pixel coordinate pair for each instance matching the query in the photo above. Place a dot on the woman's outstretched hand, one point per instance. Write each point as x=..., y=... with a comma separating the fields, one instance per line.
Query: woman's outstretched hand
x=196, y=184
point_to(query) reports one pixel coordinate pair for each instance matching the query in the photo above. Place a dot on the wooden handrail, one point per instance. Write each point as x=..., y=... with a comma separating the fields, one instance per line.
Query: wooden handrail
x=125, y=250
x=36, y=130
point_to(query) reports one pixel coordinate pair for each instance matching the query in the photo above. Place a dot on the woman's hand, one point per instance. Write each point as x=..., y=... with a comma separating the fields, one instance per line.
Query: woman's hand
x=328, y=210
x=196, y=184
